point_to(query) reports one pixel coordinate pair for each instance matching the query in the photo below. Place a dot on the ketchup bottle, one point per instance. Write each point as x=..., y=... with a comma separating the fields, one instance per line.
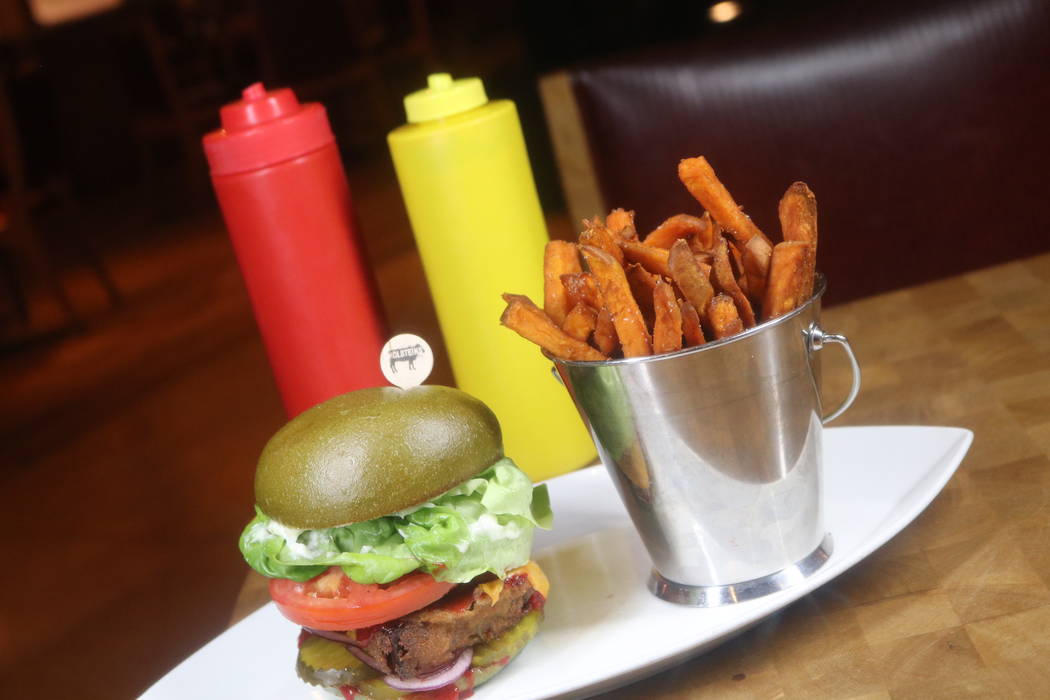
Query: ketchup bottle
x=286, y=203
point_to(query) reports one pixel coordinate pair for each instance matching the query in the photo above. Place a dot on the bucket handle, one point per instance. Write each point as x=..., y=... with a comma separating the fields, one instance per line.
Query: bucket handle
x=817, y=340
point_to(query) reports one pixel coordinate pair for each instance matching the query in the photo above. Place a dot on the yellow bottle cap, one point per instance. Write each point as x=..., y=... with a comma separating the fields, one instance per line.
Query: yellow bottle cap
x=443, y=97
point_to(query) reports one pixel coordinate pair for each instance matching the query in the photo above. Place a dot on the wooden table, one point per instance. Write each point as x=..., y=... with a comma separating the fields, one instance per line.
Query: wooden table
x=957, y=604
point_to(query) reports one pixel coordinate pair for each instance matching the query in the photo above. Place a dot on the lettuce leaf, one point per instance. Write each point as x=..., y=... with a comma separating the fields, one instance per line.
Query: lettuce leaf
x=483, y=525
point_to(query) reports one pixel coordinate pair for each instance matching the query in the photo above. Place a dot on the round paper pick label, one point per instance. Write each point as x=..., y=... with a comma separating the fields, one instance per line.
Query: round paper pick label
x=406, y=360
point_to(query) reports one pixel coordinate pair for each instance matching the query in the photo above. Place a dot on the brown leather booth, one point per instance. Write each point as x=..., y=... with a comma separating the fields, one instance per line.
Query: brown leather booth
x=921, y=126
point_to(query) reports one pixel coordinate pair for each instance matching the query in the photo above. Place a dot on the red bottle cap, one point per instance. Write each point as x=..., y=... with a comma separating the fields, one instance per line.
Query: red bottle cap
x=263, y=129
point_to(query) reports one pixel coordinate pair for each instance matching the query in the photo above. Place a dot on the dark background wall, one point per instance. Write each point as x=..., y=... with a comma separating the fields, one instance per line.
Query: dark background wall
x=92, y=106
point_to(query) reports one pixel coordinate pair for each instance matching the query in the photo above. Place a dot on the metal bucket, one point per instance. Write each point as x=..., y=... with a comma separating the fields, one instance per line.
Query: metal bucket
x=716, y=452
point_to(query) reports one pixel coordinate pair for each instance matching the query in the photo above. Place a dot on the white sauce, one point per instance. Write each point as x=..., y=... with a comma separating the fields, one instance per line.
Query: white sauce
x=294, y=548
x=487, y=527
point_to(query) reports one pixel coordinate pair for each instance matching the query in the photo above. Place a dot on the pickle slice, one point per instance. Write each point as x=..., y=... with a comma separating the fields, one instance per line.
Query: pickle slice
x=328, y=663
x=376, y=689
x=508, y=644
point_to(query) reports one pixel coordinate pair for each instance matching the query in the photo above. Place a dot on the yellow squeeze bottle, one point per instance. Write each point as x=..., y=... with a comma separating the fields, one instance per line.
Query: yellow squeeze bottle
x=467, y=185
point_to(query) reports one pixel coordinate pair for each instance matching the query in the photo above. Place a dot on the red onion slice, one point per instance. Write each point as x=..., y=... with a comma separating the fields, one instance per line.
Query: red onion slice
x=350, y=644
x=438, y=679
x=365, y=657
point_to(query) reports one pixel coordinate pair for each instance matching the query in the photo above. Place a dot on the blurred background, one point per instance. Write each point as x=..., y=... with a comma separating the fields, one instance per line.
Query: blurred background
x=135, y=389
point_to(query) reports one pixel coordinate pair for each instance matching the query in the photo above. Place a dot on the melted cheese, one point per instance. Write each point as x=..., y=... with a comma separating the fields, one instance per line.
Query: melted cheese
x=531, y=570
x=492, y=589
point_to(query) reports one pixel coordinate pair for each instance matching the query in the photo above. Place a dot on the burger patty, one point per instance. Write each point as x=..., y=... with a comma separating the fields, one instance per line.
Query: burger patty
x=431, y=638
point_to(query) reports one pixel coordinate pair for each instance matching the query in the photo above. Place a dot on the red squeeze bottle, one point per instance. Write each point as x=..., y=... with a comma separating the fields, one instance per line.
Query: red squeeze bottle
x=286, y=202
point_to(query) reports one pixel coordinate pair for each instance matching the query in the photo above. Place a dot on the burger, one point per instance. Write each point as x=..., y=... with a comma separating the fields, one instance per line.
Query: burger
x=396, y=533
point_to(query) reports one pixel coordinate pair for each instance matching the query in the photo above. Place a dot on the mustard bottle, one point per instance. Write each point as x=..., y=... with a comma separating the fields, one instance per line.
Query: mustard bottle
x=471, y=200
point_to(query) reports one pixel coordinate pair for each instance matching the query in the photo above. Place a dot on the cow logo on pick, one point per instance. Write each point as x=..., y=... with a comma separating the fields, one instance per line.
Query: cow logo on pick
x=406, y=360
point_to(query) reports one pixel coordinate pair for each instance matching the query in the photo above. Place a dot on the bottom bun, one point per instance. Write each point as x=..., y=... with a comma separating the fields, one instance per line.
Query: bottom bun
x=346, y=674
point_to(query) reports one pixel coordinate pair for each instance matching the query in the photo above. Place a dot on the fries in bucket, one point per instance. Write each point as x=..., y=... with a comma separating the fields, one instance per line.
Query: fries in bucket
x=695, y=278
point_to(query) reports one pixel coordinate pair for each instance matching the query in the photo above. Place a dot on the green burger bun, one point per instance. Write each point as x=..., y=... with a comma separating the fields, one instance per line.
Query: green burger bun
x=374, y=452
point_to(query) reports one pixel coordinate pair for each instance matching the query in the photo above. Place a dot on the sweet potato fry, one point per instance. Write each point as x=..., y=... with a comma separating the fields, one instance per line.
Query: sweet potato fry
x=667, y=328
x=652, y=259
x=596, y=234
x=678, y=226
x=736, y=259
x=809, y=276
x=694, y=335
x=723, y=317
x=642, y=283
x=704, y=259
x=704, y=241
x=798, y=221
x=724, y=281
x=798, y=214
x=528, y=320
x=621, y=224
x=579, y=323
x=605, y=333
x=582, y=289
x=786, y=270
x=689, y=276
x=756, y=255
x=708, y=237
x=616, y=295
x=559, y=258
x=699, y=178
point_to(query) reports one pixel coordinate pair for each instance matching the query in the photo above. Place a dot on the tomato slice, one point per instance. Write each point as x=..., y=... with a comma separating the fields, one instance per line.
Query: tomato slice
x=334, y=602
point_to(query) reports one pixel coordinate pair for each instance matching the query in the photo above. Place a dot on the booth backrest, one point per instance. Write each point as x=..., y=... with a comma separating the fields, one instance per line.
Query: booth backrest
x=921, y=127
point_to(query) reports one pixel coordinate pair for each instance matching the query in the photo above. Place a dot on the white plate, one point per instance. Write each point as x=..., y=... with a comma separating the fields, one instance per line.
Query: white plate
x=877, y=480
